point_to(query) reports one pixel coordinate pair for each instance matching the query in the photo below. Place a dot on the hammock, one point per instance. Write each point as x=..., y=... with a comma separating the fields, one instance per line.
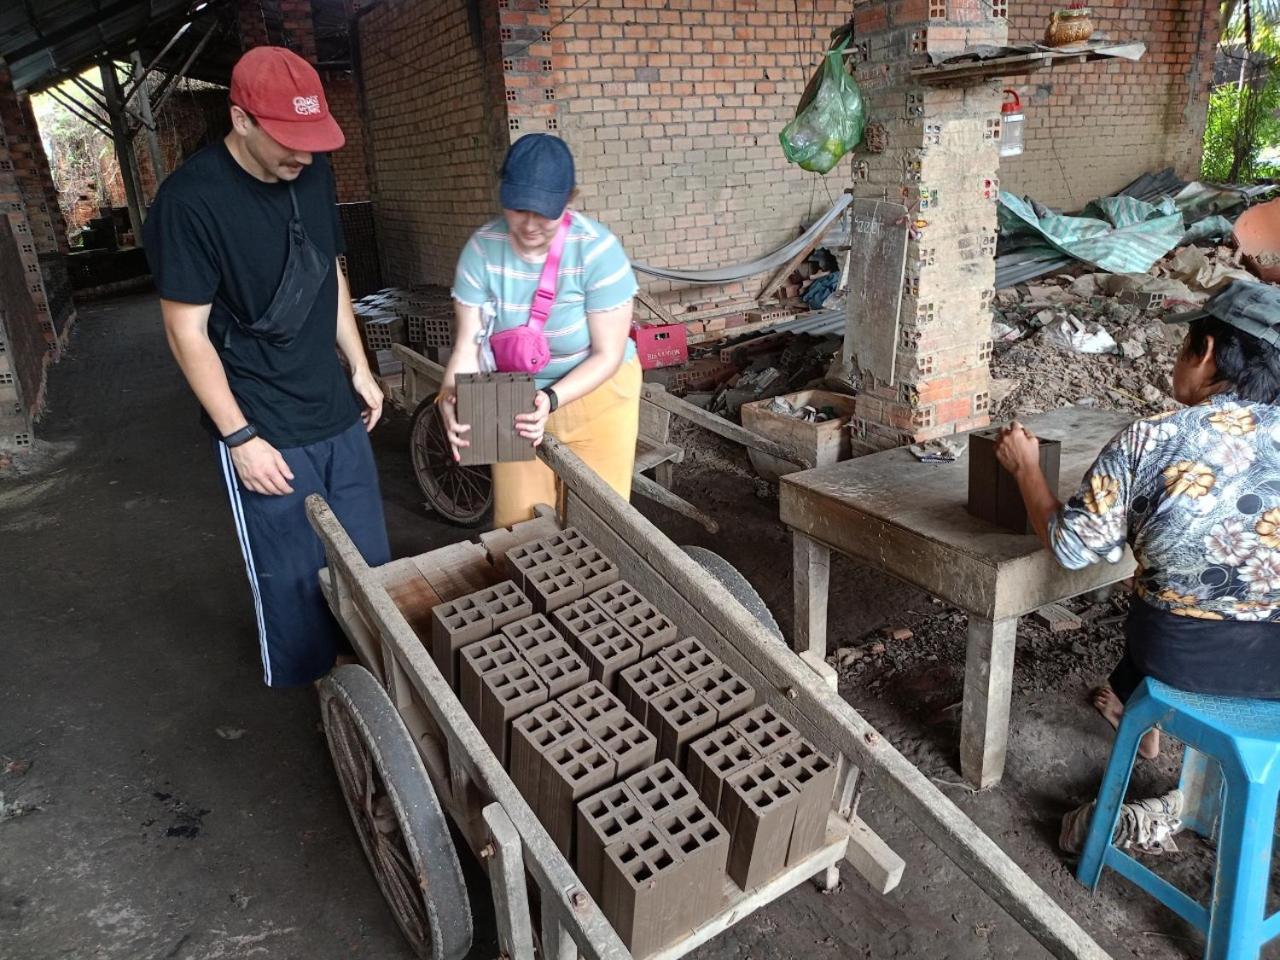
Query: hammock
x=771, y=261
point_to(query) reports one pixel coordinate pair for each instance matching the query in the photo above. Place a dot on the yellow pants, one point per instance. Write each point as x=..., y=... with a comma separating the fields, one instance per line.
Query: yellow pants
x=601, y=428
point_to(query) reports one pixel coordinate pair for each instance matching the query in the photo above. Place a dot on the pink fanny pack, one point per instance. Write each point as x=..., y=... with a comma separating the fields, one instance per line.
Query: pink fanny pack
x=524, y=349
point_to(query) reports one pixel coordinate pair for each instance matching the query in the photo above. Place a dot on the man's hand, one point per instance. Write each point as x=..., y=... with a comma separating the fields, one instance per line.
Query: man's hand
x=533, y=425
x=370, y=394
x=1018, y=450
x=261, y=468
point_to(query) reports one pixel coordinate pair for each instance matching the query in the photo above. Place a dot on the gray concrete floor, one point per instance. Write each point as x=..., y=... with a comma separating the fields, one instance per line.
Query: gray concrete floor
x=176, y=808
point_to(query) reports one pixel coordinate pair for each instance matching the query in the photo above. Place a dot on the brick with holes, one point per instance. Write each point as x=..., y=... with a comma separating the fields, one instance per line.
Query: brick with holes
x=661, y=788
x=603, y=819
x=813, y=774
x=764, y=729
x=703, y=846
x=454, y=625
x=531, y=736
x=639, y=683
x=557, y=666
x=688, y=658
x=505, y=694
x=608, y=650
x=572, y=769
x=678, y=717
x=625, y=739
x=713, y=758
x=592, y=706
x=726, y=691
x=476, y=660
x=639, y=892
x=759, y=812
x=530, y=632
x=552, y=586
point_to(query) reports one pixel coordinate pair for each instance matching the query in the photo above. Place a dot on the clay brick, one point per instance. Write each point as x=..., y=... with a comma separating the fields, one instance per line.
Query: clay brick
x=639, y=683
x=522, y=560
x=531, y=736
x=454, y=625
x=607, y=651
x=702, y=844
x=577, y=618
x=552, y=586
x=631, y=746
x=689, y=659
x=604, y=818
x=813, y=775
x=764, y=729
x=505, y=602
x=558, y=667
x=573, y=768
x=661, y=789
x=617, y=598
x=649, y=626
x=726, y=691
x=531, y=632
x=678, y=717
x=640, y=892
x=566, y=542
x=592, y=706
x=505, y=694
x=592, y=569
x=478, y=659
x=759, y=813
x=712, y=759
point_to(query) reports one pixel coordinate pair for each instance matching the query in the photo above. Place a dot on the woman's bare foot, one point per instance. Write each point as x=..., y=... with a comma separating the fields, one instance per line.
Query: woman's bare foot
x=1108, y=704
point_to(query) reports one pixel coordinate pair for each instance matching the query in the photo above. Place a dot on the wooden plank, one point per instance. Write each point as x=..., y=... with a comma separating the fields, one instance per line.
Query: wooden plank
x=655, y=422
x=779, y=278
x=562, y=895
x=456, y=570
x=699, y=603
x=872, y=858
x=655, y=308
x=877, y=266
x=656, y=394
x=557, y=944
x=507, y=881
x=988, y=686
x=810, y=582
x=650, y=454
x=651, y=490
x=1058, y=618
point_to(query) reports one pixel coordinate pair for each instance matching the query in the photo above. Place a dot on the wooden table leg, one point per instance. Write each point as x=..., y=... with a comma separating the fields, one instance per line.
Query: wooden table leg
x=988, y=683
x=810, y=575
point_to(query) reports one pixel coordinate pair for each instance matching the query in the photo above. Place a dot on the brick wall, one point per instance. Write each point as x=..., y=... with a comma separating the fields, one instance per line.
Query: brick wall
x=349, y=167
x=673, y=112
x=1094, y=127
x=434, y=119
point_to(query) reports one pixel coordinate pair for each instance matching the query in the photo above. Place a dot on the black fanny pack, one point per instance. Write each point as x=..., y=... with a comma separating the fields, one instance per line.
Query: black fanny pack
x=304, y=274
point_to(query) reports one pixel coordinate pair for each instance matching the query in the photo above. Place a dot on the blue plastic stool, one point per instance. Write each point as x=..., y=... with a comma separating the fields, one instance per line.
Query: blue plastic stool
x=1243, y=736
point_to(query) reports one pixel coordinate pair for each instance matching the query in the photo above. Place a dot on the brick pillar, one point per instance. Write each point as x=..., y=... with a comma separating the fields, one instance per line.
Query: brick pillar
x=941, y=161
x=524, y=31
x=253, y=24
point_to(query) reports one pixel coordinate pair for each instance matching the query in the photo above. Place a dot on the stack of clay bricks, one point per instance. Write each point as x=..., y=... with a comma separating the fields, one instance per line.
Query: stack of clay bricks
x=570, y=748
x=653, y=856
x=489, y=402
x=682, y=693
x=379, y=329
x=771, y=789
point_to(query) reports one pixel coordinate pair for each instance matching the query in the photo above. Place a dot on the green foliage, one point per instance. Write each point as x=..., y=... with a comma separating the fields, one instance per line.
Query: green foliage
x=1231, y=113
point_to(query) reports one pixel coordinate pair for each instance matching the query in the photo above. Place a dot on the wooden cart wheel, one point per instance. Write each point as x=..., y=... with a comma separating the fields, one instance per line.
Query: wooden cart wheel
x=736, y=584
x=396, y=814
x=459, y=494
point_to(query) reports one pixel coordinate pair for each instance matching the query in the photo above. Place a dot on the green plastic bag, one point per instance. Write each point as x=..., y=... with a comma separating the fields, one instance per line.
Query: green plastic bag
x=830, y=125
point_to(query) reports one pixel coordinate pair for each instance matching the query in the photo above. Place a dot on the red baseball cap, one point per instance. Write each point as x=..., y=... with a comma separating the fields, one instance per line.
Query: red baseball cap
x=284, y=95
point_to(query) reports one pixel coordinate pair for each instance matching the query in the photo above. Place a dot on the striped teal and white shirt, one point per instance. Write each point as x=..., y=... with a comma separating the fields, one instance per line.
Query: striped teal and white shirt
x=595, y=276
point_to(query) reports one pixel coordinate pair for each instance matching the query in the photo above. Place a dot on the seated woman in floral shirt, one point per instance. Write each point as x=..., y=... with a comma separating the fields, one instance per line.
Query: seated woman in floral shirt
x=1196, y=494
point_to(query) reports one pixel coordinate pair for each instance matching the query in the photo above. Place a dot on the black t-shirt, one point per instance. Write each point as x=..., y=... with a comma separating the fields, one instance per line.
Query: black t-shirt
x=216, y=234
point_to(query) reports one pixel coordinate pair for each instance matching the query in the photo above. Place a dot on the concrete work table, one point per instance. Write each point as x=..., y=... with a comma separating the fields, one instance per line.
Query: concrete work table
x=909, y=519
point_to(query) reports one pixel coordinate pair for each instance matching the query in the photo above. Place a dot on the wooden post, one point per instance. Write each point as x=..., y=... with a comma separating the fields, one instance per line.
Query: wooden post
x=123, y=145
x=158, y=168
x=508, y=883
x=988, y=685
x=810, y=575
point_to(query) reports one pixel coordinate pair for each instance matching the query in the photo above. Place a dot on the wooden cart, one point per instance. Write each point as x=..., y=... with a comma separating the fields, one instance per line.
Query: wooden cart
x=407, y=753
x=463, y=494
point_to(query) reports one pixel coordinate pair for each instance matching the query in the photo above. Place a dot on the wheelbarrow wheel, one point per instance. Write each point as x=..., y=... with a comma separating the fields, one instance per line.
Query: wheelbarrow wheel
x=460, y=494
x=396, y=814
x=736, y=584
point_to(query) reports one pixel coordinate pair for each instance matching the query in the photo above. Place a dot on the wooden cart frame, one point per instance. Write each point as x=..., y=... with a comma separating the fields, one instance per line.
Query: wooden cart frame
x=501, y=829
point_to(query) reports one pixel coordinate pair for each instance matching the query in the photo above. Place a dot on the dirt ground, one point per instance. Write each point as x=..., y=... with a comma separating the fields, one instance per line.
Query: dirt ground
x=157, y=801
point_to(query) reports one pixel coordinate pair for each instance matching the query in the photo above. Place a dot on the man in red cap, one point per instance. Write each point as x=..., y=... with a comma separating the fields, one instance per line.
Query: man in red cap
x=243, y=242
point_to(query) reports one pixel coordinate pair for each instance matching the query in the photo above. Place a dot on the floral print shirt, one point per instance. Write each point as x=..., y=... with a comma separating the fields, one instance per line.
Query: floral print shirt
x=1196, y=493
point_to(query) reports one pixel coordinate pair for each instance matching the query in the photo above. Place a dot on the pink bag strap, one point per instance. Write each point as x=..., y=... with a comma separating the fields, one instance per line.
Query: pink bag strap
x=545, y=295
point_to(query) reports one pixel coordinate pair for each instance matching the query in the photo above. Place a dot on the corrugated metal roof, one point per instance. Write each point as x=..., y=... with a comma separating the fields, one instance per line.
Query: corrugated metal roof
x=45, y=40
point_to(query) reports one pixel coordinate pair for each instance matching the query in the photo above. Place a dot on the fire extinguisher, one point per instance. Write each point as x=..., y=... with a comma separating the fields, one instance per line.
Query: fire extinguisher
x=1012, y=124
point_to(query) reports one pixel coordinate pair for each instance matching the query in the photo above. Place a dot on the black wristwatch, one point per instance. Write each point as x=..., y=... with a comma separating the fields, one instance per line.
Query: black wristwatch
x=551, y=398
x=243, y=435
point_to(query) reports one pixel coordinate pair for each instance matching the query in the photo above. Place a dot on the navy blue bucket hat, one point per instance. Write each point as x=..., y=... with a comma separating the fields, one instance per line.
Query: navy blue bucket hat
x=537, y=175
